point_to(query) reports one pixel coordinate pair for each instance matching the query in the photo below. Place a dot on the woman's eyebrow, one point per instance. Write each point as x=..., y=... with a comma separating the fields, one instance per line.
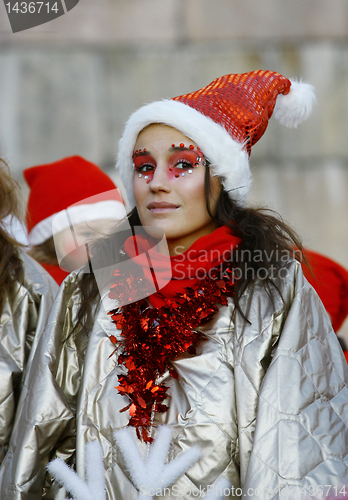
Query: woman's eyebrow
x=171, y=148
x=178, y=148
x=141, y=153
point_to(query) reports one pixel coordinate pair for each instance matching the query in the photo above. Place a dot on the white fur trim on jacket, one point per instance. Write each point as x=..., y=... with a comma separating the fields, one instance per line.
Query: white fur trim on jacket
x=229, y=161
x=107, y=209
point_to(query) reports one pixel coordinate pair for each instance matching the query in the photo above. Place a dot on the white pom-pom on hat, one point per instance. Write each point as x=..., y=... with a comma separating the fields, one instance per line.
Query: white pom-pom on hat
x=296, y=106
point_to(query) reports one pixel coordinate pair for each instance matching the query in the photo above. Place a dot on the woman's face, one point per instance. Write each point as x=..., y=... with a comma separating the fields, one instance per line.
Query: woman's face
x=169, y=187
x=70, y=245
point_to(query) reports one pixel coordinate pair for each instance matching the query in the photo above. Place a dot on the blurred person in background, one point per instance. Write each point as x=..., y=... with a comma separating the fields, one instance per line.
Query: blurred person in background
x=330, y=280
x=71, y=202
x=26, y=296
x=234, y=353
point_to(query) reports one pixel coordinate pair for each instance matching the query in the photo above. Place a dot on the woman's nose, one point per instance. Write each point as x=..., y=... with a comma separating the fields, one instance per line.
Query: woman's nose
x=160, y=180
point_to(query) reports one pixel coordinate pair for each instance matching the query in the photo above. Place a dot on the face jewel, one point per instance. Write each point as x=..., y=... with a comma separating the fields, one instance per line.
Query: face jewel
x=140, y=175
x=190, y=171
x=183, y=174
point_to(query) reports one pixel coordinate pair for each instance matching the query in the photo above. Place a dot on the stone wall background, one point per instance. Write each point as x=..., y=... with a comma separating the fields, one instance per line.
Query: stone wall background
x=68, y=86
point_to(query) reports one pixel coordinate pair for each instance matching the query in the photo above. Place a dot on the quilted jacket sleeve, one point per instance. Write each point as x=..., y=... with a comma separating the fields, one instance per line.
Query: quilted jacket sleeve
x=23, y=317
x=45, y=423
x=299, y=439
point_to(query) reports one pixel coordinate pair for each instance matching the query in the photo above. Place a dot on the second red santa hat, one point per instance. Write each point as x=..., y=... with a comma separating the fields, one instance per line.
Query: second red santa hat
x=73, y=183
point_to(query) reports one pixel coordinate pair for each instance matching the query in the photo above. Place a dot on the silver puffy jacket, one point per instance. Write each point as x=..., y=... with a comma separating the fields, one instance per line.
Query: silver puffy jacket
x=266, y=401
x=23, y=318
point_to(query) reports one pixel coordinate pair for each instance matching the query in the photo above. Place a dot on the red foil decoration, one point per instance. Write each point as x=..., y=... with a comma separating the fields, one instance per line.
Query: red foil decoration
x=151, y=337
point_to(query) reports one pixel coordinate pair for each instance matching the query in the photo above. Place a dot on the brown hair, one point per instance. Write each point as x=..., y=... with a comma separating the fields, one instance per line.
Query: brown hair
x=11, y=268
x=264, y=235
x=45, y=252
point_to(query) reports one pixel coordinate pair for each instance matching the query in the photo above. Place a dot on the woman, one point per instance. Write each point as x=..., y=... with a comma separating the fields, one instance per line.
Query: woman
x=83, y=205
x=235, y=352
x=27, y=294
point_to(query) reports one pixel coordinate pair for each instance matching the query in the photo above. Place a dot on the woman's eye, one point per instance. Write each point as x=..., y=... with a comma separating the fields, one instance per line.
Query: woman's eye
x=184, y=164
x=88, y=234
x=145, y=168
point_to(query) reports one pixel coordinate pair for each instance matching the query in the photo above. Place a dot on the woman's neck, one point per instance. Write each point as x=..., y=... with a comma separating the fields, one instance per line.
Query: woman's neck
x=179, y=245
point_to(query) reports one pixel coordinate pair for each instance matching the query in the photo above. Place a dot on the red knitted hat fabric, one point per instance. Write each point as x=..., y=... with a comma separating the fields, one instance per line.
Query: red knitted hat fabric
x=241, y=103
x=56, y=186
x=225, y=119
x=330, y=280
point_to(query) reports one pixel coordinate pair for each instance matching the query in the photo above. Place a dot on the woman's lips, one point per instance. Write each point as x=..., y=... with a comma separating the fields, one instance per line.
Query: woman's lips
x=159, y=207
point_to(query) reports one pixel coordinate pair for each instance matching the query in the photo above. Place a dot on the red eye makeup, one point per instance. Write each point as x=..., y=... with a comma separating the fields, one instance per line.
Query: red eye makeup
x=181, y=162
x=145, y=165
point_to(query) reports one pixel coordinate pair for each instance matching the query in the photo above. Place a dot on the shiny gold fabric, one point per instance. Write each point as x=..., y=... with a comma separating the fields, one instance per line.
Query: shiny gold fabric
x=24, y=315
x=265, y=401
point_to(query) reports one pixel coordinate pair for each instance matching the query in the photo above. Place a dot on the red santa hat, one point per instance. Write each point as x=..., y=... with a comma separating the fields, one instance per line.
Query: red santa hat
x=225, y=119
x=73, y=183
x=330, y=280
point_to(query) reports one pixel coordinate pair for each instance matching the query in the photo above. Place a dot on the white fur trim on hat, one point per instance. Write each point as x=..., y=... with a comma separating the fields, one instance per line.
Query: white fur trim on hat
x=107, y=209
x=229, y=161
x=296, y=106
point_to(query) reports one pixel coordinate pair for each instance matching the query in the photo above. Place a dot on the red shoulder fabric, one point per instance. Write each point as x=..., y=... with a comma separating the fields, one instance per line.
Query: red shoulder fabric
x=330, y=281
x=56, y=272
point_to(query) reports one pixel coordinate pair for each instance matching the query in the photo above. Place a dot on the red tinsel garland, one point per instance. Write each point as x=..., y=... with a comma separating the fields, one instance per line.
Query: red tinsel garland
x=152, y=337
